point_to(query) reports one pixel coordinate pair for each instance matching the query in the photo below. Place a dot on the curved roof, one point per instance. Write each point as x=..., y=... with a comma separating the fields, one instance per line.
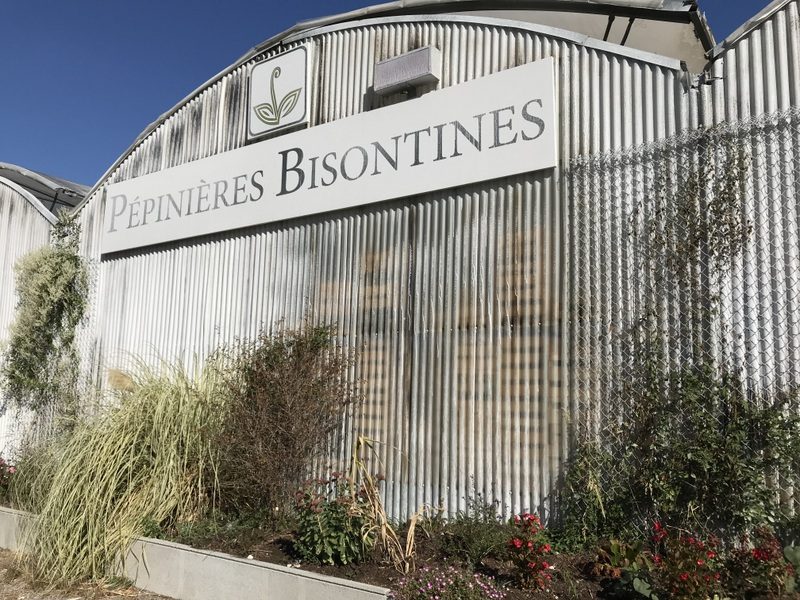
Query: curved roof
x=681, y=11
x=30, y=198
x=54, y=193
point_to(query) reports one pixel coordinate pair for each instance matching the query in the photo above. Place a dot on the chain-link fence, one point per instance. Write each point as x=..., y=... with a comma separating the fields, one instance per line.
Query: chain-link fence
x=685, y=281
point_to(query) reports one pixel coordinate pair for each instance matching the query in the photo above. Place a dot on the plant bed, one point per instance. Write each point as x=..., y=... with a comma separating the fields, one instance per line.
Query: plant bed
x=277, y=547
x=186, y=573
x=611, y=570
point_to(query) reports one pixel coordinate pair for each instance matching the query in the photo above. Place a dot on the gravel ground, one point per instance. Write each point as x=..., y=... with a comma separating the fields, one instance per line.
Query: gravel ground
x=14, y=587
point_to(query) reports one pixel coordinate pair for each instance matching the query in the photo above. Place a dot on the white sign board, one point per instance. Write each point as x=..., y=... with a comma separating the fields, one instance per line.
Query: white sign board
x=277, y=97
x=499, y=125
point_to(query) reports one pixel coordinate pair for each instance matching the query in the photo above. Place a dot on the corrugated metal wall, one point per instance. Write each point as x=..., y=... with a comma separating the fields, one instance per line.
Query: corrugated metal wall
x=756, y=81
x=456, y=298
x=747, y=105
x=472, y=350
x=23, y=228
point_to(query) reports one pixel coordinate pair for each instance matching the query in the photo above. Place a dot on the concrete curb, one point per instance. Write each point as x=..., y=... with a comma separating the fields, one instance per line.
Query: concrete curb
x=186, y=573
x=11, y=527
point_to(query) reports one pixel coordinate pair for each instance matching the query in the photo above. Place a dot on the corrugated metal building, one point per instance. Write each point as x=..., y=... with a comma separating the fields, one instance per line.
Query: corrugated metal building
x=483, y=311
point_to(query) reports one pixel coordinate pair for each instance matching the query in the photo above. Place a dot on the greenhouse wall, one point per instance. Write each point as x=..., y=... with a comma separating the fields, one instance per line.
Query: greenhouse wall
x=488, y=316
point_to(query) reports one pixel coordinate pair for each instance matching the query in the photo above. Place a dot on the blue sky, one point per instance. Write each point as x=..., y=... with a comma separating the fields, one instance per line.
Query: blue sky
x=82, y=78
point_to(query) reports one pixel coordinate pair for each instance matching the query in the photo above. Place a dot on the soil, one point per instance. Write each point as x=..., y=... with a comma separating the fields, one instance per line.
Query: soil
x=15, y=587
x=568, y=581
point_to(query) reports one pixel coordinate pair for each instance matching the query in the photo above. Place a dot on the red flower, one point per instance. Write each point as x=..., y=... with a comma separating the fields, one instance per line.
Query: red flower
x=700, y=562
x=710, y=554
x=517, y=543
x=759, y=554
x=684, y=576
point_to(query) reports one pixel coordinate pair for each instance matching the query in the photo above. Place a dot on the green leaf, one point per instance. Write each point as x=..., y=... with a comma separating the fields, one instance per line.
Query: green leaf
x=791, y=585
x=792, y=554
x=266, y=113
x=643, y=588
x=288, y=103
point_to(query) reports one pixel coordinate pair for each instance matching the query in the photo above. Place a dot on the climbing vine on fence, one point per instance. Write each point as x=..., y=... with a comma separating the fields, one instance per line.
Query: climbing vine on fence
x=691, y=441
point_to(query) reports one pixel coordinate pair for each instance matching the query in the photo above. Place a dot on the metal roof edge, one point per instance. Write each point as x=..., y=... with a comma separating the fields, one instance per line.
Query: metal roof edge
x=700, y=21
x=306, y=29
x=51, y=218
x=564, y=34
x=76, y=189
x=753, y=23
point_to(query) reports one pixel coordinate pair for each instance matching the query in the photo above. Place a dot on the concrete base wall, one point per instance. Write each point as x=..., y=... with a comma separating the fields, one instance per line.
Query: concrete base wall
x=10, y=528
x=190, y=574
x=186, y=573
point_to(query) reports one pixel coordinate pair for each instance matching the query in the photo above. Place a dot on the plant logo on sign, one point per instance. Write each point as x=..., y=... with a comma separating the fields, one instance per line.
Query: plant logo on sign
x=277, y=93
x=271, y=114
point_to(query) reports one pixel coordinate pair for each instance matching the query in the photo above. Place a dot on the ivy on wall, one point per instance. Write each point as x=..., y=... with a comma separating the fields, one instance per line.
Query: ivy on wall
x=39, y=367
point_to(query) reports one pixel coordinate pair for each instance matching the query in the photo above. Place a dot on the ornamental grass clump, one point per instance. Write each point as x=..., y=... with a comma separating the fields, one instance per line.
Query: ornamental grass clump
x=146, y=460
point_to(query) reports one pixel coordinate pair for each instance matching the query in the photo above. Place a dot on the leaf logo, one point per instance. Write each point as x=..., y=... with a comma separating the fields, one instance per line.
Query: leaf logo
x=272, y=113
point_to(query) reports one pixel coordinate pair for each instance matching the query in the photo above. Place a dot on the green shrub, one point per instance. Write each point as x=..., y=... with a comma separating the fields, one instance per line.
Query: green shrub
x=39, y=366
x=588, y=500
x=475, y=534
x=289, y=392
x=529, y=549
x=7, y=475
x=685, y=567
x=701, y=451
x=788, y=529
x=695, y=452
x=615, y=558
x=757, y=567
x=333, y=525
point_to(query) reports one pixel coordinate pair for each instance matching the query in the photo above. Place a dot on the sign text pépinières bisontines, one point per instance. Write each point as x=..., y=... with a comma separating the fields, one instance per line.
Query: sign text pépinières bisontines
x=495, y=126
